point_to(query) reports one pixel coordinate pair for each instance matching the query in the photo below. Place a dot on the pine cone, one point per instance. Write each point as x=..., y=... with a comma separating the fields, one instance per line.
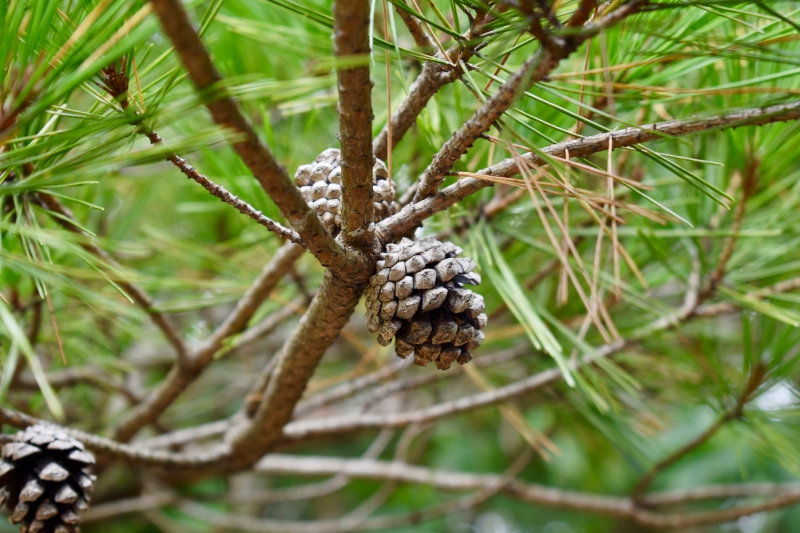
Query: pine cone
x=320, y=184
x=417, y=296
x=44, y=480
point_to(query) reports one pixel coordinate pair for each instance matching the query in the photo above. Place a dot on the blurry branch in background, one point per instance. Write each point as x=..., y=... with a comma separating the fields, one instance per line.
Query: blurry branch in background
x=185, y=371
x=775, y=495
x=757, y=375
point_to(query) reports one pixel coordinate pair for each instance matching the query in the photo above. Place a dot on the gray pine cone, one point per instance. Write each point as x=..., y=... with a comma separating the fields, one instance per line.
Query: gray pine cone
x=44, y=480
x=417, y=297
x=320, y=183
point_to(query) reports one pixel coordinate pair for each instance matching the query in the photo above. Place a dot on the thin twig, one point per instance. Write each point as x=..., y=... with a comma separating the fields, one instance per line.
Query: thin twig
x=532, y=71
x=219, y=192
x=137, y=294
x=433, y=77
x=755, y=378
x=414, y=28
x=782, y=494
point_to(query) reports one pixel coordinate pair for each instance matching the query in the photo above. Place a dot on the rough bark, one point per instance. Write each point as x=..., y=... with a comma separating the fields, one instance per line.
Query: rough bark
x=351, y=42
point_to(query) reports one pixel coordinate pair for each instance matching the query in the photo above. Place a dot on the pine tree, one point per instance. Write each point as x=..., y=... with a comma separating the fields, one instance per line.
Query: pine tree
x=588, y=207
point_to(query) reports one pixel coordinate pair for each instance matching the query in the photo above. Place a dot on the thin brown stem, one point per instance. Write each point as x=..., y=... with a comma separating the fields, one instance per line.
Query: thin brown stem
x=219, y=192
x=755, y=379
x=414, y=28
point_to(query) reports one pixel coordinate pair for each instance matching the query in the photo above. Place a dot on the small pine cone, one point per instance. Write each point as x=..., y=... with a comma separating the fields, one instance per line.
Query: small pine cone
x=320, y=183
x=417, y=297
x=44, y=480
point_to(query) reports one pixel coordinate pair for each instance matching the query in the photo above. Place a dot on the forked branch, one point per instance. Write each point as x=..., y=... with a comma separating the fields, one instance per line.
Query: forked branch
x=541, y=64
x=185, y=371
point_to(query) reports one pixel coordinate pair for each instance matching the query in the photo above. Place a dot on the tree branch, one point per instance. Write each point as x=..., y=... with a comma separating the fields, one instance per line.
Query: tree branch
x=219, y=192
x=280, y=387
x=351, y=42
x=433, y=77
x=536, y=68
x=304, y=429
x=413, y=215
x=414, y=28
x=132, y=454
x=256, y=155
x=621, y=507
x=756, y=377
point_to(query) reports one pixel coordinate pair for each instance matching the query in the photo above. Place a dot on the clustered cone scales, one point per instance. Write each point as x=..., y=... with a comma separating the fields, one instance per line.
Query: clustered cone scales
x=44, y=480
x=417, y=297
x=320, y=183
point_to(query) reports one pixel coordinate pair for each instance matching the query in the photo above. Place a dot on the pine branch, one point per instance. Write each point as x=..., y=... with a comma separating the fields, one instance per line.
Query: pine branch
x=227, y=458
x=256, y=155
x=351, y=23
x=535, y=69
x=145, y=502
x=413, y=215
x=133, y=454
x=433, y=77
x=306, y=429
x=782, y=495
x=756, y=378
x=280, y=387
x=414, y=28
x=219, y=192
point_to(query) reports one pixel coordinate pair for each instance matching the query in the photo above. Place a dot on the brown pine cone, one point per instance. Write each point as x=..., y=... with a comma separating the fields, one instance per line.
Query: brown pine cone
x=418, y=298
x=320, y=184
x=44, y=480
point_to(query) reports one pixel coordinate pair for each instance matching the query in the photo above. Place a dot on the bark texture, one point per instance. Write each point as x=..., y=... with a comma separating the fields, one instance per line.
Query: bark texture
x=351, y=42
